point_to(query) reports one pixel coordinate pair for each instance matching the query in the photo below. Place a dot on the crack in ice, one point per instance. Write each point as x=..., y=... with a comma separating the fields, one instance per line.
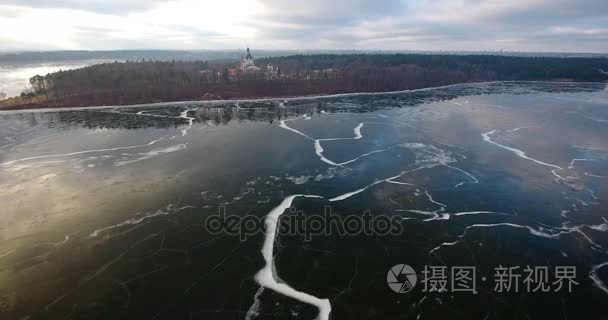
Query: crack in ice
x=319, y=148
x=519, y=153
x=85, y=152
x=267, y=276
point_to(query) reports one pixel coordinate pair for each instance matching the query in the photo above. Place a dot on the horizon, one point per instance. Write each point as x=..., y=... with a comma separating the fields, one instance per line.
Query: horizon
x=236, y=49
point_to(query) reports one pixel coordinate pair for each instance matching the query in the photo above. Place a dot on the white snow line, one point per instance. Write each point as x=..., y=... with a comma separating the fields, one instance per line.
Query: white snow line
x=319, y=148
x=571, y=166
x=596, y=279
x=84, y=152
x=283, y=125
x=468, y=174
x=519, y=153
x=267, y=279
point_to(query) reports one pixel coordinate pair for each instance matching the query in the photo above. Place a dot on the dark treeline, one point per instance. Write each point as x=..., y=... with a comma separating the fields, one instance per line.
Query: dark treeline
x=432, y=68
x=155, y=81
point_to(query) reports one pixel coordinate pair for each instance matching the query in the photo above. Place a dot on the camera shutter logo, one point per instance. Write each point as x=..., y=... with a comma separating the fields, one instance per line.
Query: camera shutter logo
x=401, y=278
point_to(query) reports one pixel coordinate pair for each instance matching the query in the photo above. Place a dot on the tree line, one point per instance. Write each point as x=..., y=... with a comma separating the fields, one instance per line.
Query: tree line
x=155, y=81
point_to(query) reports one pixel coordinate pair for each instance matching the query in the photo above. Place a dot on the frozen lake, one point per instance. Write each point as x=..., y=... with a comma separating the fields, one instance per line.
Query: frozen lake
x=105, y=212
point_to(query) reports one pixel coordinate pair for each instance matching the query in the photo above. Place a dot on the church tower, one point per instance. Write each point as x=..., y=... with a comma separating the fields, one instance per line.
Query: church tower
x=247, y=63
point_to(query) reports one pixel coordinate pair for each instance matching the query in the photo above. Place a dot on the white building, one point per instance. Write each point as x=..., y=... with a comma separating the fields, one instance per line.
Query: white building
x=247, y=63
x=272, y=72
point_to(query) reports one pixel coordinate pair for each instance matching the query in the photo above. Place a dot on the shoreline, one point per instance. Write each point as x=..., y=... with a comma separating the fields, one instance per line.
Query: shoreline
x=289, y=98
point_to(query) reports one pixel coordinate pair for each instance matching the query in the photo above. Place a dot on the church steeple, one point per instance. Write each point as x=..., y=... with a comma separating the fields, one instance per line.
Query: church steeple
x=247, y=63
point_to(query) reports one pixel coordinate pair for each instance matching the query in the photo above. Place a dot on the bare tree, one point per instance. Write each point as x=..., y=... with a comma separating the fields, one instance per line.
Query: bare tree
x=27, y=94
x=2, y=95
x=39, y=85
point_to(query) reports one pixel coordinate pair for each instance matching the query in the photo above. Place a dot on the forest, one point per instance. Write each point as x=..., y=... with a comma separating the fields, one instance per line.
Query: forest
x=144, y=81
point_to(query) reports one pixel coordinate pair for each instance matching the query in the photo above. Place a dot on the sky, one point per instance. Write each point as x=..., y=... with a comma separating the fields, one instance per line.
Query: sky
x=463, y=25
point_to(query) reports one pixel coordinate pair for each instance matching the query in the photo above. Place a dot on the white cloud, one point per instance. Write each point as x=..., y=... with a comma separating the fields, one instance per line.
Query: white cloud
x=539, y=25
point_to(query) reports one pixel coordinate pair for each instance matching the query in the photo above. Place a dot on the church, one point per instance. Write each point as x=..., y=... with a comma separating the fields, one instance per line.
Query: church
x=249, y=70
x=248, y=64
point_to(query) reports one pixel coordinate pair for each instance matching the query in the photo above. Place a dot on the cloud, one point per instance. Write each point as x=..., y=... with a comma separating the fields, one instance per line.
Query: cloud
x=97, y=6
x=336, y=11
x=436, y=25
x=175, y=37
x=9, y=12
x=523, y=25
